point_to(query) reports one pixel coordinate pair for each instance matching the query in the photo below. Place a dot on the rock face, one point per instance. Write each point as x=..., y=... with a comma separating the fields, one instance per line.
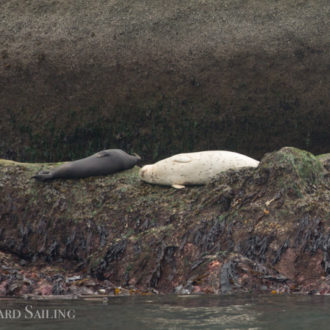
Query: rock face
x=160, y=78
x=253, y=230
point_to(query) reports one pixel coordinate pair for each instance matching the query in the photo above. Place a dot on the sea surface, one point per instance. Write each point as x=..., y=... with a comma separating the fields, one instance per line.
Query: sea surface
x=169, y=312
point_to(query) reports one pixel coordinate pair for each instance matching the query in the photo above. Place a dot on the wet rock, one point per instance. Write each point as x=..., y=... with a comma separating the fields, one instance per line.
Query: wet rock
x=181, y=290
x=73, y=278
x=227, y=277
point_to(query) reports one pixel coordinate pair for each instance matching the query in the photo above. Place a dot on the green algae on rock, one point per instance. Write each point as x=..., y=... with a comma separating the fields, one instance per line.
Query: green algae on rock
x=256, y=230
x=325, y=160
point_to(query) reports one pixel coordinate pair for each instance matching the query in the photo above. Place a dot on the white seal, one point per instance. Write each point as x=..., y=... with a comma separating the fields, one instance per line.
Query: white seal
x=196, y=168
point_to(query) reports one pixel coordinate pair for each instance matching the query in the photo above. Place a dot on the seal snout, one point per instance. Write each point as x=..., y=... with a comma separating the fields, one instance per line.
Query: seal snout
x=144, y=172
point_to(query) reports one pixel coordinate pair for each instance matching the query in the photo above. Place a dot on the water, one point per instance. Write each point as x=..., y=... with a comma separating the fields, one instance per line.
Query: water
x=170, y=312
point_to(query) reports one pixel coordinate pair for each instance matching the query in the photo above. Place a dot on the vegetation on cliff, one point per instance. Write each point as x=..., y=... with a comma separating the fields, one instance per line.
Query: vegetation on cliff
x=159, y=78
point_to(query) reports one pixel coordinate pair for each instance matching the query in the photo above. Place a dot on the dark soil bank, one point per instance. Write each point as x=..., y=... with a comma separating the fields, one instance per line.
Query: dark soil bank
x=253, y=230
x=161, y=77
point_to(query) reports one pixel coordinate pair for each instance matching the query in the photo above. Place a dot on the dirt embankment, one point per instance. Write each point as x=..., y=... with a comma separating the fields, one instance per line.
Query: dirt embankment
x=252, y=230
x=159, y=78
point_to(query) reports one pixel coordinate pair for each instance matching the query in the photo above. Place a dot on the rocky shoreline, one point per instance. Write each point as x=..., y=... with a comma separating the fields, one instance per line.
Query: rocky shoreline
x=264, y=230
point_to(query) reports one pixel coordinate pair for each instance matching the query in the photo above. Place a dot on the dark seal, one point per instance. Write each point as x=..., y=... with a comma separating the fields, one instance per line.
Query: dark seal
x=102, y=163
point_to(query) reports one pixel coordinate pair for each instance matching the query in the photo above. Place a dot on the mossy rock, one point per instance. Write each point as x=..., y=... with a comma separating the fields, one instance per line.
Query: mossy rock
x=325, y=160
x=290, y=169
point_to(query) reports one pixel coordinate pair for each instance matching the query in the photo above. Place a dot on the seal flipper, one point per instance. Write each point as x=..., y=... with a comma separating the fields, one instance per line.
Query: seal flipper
x=43, y=176
x=137, y=156
x=182, y=159
x=178, y=186
x=102, y=153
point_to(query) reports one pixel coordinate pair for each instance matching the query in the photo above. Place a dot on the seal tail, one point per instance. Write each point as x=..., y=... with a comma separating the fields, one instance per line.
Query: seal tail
x=43, y=176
